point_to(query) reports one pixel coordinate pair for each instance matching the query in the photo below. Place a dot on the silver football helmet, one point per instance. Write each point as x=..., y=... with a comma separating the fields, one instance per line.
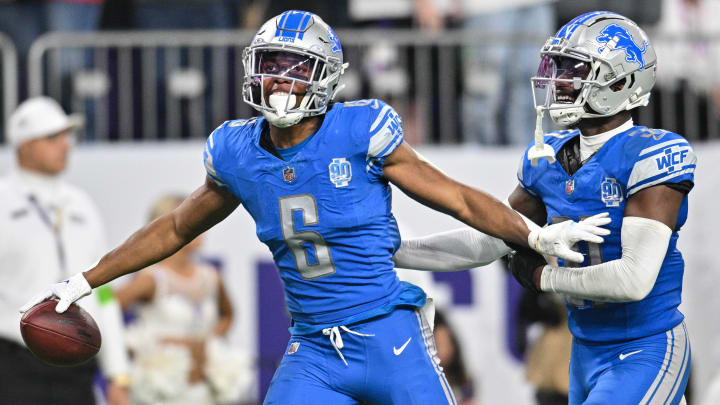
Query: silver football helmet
x=597, y=65
x=303, y=54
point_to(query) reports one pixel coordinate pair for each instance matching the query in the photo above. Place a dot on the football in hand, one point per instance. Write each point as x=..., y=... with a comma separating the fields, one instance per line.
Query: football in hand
x=66, y=339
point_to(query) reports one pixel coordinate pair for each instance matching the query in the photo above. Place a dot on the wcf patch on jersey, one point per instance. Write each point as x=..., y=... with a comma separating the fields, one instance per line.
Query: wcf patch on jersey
x=672, y=158
x=340, y=172
x=611, y=192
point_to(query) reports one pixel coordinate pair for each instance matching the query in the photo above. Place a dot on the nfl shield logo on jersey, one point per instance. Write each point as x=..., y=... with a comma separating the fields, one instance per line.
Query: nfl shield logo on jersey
x=569, y=186
x=611, y=191
x=340, y=172
x=293, y=347
x=289, y=174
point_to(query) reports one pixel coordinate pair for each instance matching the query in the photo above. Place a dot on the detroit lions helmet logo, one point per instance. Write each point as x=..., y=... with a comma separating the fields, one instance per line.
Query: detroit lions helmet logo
x=334, y=39
x=625, y=41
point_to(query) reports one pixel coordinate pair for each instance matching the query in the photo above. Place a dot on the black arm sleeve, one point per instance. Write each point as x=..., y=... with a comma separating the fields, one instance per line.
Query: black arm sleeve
x=684, y=186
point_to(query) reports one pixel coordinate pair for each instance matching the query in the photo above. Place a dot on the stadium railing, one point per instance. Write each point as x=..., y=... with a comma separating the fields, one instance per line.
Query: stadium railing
x=155, y=85
x=182, y=84
x=8, y=78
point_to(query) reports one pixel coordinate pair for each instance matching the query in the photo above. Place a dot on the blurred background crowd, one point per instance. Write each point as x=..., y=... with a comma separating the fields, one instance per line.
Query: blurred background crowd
x=144, y=72
x=457, y=70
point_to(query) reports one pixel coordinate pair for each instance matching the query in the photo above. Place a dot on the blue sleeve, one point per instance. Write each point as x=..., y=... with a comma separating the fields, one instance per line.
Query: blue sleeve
x=670, y=159
x=212, y=156
x=525, y=174
x=380, y=136
x=529, y=175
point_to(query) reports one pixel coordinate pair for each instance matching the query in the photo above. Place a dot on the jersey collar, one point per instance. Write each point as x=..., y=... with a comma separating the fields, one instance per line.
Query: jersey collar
x=591, y=144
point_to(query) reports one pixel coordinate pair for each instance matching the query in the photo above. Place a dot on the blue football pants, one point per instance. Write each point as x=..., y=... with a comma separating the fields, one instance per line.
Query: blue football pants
x=650, y=370
x=395, y=362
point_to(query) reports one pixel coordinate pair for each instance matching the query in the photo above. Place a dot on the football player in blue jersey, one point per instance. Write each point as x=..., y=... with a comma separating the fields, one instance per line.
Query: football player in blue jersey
x=314, y=175
x=630, y=344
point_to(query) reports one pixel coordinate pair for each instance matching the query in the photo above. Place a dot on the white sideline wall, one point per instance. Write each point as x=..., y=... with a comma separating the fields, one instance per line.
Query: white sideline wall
x=124, y=179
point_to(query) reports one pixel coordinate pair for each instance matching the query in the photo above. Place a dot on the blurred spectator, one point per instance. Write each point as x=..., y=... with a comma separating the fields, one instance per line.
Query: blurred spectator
x=184, y=14
x=387, y=78
x=48, y=229
x=643, y=12
x=497, y=101
x=334, y=12
x=451, y=359
x=25, y=20
x=547, y=346
x=388, y=70
x=427, y=15
x=116, y=15
x=20, y=21
x=73, y=15
x=183, y=309
x=688, y=31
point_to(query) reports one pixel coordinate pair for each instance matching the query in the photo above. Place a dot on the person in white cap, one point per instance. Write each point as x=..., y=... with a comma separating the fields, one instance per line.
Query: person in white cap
x=46, y=228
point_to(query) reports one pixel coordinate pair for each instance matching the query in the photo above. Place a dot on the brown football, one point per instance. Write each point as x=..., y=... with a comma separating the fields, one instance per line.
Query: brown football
x=66, y=339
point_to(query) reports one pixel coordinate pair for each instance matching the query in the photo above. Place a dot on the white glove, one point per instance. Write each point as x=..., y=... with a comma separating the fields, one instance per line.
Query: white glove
x=557, y=239
x=68, y=291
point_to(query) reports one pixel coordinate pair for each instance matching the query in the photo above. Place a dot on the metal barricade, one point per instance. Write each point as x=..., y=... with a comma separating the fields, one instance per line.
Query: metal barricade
x=162, y=84
x=9, y=80
x=142, y=85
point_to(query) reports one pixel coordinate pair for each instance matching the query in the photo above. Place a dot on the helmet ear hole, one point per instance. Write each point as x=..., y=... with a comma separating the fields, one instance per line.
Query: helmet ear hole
x=256, y=93
x=620, y=84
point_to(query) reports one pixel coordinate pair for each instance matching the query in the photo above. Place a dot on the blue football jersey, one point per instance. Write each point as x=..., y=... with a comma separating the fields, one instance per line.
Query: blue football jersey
x=325, y=214
x=629, y=162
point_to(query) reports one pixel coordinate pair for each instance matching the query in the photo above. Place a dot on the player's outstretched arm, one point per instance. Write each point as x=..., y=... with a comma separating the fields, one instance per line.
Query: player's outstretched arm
x=205, y=207
x=458, y=249
x=466, y=248
x=650, y=216
x=425, y=183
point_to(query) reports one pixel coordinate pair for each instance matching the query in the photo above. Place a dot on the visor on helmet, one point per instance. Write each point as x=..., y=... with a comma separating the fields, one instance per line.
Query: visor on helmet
x=557, y=68
x=559, y=79
x=561, y=86
x=291, y=65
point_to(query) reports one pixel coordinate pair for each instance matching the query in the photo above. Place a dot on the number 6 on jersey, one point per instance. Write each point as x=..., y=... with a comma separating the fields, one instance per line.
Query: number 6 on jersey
x=297, y=240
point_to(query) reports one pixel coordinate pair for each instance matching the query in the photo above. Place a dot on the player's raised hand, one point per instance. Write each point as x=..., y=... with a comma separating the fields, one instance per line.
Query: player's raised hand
x=68, y=291
x=558, y=239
